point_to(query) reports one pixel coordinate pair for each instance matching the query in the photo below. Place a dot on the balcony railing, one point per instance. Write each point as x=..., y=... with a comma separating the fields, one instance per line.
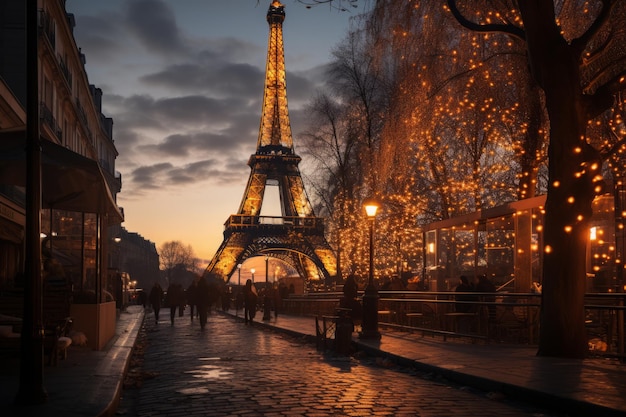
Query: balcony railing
x=244, y=221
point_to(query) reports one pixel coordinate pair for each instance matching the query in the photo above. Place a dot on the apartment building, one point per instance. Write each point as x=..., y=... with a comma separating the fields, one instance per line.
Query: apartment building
x=79, y=182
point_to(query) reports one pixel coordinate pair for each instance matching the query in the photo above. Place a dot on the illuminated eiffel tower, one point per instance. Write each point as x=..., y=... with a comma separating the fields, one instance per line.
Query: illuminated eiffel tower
x=297, y=237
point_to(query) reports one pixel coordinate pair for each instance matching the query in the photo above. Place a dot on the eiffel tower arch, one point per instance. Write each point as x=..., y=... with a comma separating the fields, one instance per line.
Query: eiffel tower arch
x=297, y=236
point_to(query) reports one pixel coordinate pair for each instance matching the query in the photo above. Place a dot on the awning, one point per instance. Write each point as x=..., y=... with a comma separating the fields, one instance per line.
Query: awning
x=70, y=181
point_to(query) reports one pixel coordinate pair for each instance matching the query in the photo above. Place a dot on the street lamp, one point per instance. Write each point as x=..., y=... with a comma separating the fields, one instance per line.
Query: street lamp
x=370, y=297
x=266, y=300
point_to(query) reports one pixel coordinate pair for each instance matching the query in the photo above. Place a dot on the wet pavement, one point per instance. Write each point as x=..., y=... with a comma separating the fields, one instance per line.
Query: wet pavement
x=233, y=369
x=274, y=368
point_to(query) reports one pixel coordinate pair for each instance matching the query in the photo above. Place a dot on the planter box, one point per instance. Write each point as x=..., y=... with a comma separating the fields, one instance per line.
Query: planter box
x=97, y=321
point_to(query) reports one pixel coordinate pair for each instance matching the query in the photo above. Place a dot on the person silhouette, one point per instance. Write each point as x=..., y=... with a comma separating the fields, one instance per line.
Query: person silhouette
x=156, y=298
x=250, y=301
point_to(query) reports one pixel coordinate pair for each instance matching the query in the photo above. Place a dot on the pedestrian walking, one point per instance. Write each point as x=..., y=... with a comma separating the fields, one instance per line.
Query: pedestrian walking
x=192, y=298
x=250, y=300
x=156, y=297
x=173, y=299
x=203, y=301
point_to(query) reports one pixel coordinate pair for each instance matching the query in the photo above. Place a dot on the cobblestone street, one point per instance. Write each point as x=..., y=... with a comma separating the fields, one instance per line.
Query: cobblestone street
x=231, y=369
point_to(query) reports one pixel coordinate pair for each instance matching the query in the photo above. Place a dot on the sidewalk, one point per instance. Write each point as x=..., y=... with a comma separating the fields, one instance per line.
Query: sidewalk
x=590, y=387
x=89, y=382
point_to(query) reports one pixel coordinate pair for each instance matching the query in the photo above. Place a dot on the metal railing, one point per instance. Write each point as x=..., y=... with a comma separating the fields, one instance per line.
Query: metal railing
x=486, y=317
x=244, y=220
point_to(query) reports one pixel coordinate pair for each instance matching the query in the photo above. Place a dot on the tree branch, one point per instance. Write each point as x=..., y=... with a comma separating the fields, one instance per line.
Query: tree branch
x=604, y=98
x=613, y=150
x=580, y=44
x=509, y=29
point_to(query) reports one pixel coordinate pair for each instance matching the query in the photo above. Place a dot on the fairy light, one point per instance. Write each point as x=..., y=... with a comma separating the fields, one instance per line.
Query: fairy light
x=449, y=123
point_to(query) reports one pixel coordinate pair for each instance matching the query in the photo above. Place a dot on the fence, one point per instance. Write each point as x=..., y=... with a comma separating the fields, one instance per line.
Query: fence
x=479, y=317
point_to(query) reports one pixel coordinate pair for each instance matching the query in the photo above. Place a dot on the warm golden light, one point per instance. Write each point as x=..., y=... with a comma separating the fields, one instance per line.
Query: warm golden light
x=371, y=207
x=593, y=233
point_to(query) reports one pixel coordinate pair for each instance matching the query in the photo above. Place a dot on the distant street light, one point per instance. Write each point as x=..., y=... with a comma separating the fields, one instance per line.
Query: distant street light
x=115, y=261
x=370, y=297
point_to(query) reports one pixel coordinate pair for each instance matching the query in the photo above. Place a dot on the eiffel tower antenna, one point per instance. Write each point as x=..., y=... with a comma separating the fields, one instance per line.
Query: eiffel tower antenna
x=297, y=236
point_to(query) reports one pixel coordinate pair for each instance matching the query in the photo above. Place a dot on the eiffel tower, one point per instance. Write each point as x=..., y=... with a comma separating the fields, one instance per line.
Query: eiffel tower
x=297, y=237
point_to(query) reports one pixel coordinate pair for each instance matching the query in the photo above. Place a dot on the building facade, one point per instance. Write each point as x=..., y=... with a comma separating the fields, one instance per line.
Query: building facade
x=134, y=255
x=79, y=183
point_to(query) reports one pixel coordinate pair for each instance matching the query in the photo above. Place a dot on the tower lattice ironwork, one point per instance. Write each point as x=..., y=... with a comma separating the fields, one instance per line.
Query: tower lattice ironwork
x=296, y=237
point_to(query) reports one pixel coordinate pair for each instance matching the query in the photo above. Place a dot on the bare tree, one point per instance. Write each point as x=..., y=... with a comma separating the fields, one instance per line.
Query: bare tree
x=331, y=147
x=174, y=255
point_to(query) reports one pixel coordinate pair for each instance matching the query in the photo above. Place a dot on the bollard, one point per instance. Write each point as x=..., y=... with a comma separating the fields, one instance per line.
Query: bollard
x=343, y=334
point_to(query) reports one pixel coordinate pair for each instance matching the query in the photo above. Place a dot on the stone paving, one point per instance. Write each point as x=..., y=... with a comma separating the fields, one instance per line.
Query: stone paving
x=232, y=369
x=273, y=365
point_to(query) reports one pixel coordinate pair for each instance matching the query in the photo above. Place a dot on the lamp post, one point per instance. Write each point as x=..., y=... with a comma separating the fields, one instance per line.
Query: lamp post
x=370, y=297
x=266, y=299
x=31, y=387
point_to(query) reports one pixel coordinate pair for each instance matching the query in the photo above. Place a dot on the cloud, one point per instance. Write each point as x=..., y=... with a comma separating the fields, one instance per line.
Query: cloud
x=186, y=109
x=147, y=176
x=154, y=24
x=216, y=77
x=191, y=173
x=96, y=36
x=188, y=145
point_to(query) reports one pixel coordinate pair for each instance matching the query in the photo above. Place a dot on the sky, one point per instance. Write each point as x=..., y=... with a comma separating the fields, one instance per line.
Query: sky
x=183, y=82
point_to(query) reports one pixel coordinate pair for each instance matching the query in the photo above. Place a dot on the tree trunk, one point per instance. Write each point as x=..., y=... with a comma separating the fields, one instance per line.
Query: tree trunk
x=555, y=66
x=562, y=321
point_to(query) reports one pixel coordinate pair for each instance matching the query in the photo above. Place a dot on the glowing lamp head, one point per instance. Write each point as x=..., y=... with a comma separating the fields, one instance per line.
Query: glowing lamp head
x=371, y=207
